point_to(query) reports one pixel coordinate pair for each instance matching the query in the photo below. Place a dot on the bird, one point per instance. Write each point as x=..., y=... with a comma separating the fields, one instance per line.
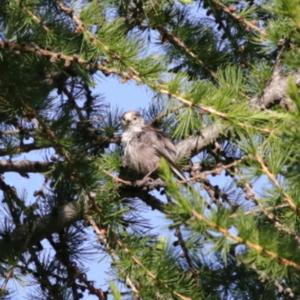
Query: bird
x=144, y=146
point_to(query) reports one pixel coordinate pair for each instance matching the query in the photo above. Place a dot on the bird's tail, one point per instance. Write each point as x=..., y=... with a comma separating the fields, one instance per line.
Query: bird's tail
x=173, y=166
x=178, y=173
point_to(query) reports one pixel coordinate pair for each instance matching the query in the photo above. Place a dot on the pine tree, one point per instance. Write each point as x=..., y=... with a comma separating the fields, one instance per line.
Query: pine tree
x=226, y=89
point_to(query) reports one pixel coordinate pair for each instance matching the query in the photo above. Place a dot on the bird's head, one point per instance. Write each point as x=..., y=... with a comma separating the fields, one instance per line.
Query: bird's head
x=132, y=119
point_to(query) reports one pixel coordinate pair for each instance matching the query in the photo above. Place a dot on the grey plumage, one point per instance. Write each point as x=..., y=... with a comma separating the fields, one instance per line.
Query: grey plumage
x=144, y=145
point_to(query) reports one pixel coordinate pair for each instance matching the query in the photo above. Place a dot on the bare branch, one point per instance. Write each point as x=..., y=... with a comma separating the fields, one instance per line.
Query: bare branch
x=276, y=91
x=24, y=166
x=194, y=144
x=26, y=235
x=22, y=148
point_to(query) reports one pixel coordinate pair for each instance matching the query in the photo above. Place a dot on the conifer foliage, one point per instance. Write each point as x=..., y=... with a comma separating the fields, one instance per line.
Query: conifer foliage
x=225, y=75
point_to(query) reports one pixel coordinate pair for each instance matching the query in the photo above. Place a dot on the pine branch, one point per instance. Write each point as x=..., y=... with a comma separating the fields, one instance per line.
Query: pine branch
x=99, y=293
x=149, y=273
x=266, y=211
x=194, y=144
x=36, y=50
x=63, y=256
x=102, y=236
x=104, y=240
x=249, y=26
x=186, y=255
x=72, y=101
x=175, y=40
x=74, y=273
x=256, y=247
x=24, y=166
x=33, y=16
x=281, y=286
x=269, y=214
x=257, y=210
x=132, y=73
x=41, y=275
x=276, y=91
x=28, y=234
x=23, y=148
x=14, y=203
x=8, y=277
x=71, y=13
x=273, y=179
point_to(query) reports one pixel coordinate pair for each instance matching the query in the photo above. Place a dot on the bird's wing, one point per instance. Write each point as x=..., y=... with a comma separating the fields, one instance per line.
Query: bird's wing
x=162, y=146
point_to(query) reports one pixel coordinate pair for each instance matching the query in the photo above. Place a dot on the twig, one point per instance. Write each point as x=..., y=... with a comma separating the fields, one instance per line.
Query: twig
x=256, y=247
x=9, y=275
x=269, y=214
x=102, y=235
x=273, y=179
x=131, y=74
x=186, y=254
x=135, y=75
x=28, y=234
x=172, y=38
x=258, y=210
x=249, y=26
x=34, y=17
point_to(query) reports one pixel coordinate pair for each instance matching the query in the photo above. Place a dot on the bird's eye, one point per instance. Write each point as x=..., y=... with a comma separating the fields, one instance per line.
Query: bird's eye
x=134, y=118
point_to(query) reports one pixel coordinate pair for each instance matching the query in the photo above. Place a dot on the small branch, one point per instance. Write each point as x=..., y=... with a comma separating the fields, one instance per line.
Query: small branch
x=195, y=144
x=273, y=179
x=266, y=211
x=24, y=166
x=143, y=195
x=281, y=286
x=89, y=285
x=258, y=210
x=146, y=182
x=186, y=255
x=175, y=40
x=276, y=91
x=34, y=17
x=71, y=13
x=215, y=171
x=22, y=149
x=26, y=235
x=269, y=214
x=74, y=273
x=256, y=247
x=101, y=234
x=132, y=74
x=249, y=26
x=40, y=273
x=13, y=202
x=9, y=275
